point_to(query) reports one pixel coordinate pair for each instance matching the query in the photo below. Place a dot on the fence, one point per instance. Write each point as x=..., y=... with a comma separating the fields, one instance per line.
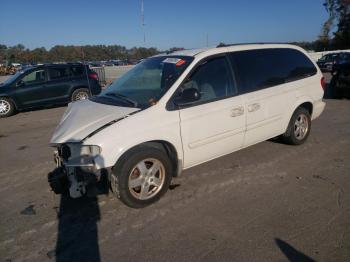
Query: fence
x=100, y=71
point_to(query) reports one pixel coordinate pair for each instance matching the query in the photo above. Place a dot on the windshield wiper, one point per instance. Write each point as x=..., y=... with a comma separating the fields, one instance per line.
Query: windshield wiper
x=124, y=98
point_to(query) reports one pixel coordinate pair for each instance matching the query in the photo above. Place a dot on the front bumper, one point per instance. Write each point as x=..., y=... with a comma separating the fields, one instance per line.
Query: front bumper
x=76, y=176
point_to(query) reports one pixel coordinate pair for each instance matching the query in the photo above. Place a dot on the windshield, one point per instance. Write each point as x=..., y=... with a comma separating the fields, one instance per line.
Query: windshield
x=12, y=78
x=15, y=76
x=146, y=83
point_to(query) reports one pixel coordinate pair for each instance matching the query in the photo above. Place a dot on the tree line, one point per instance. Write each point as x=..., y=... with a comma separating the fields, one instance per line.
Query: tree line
x=335, y=34
x=59, y=53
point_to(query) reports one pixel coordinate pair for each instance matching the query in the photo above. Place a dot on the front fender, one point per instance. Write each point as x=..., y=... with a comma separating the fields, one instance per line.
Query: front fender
x=137, y=129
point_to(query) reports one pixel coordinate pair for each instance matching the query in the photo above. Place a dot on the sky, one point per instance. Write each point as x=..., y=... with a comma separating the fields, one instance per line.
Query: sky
x=180, y=23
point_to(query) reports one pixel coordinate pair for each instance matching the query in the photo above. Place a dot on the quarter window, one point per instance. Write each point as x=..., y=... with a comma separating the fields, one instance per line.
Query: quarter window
x=258, y=69
x=77, y=70
x=212, y=79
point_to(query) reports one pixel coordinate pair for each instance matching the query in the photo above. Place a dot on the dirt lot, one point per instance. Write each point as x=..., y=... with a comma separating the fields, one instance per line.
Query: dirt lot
x=269, y=202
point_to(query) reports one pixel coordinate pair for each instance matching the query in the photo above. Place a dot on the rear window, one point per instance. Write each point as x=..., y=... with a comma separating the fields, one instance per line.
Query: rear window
x=59, y=73
x=263, y=68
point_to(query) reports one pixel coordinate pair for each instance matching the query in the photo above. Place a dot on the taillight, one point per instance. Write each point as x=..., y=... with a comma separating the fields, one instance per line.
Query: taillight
x=93, y=76
x=323, y=83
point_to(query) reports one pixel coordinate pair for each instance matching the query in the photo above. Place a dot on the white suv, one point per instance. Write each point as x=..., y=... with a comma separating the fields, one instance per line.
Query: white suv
x=177, y=110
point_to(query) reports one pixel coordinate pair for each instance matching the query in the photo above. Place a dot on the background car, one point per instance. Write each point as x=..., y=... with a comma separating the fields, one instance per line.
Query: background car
x=47, y=85
x=339, y=86
x=327, y=62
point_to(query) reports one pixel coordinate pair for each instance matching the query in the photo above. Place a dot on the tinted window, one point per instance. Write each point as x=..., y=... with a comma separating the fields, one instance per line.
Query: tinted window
x=78, y=70
x=59, y=73
x=212, y=79
x=258, y=69
x=34, y=77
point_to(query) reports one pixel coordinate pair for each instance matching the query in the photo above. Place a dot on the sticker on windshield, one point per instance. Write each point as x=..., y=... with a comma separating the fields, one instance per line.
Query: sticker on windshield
x=173, y=60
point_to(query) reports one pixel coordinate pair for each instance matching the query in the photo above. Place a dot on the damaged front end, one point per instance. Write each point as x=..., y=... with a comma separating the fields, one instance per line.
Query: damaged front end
x=75, y=170
x=80, y=166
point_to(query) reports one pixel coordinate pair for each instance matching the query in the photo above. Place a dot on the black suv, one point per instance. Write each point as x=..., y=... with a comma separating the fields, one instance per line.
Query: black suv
x=339, y=86
x=47, y=85
x=327, y=62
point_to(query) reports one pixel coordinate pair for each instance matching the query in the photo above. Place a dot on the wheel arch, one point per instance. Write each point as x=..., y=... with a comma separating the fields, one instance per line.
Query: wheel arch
x=12, y=100
x=303, y=102
x=78, y=87
x=163, y=145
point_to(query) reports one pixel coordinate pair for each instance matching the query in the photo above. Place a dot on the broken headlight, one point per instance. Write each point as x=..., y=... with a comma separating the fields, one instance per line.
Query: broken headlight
x=79, y=150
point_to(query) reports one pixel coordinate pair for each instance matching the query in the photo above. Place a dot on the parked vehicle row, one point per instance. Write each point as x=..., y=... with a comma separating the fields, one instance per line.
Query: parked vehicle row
x=47, y=85
x=178, y=110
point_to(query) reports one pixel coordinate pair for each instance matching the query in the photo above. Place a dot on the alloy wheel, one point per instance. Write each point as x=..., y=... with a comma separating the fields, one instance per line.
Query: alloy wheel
x=146, y=178
x=5, y=107
x=301, y=127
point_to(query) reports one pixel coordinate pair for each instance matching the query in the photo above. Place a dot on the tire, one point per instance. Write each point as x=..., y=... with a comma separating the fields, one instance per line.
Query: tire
x=132, y=177
x=7, y=107
x=301, y=119
x=80, y=94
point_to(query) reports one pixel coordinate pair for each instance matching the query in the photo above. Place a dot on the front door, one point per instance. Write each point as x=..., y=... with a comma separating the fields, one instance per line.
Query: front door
x=214, y=125
x=30, y=89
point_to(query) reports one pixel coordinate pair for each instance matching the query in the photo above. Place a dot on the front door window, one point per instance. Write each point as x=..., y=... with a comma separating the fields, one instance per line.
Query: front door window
x=34, y=77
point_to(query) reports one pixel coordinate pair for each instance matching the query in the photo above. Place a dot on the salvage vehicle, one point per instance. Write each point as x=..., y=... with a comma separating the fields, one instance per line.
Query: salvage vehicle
x=47, y=85
x=177, y=110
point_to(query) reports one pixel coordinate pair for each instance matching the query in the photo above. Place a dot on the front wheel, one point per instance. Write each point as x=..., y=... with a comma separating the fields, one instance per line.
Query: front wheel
x=142, y=176
x=7, y=108
x=299, y=127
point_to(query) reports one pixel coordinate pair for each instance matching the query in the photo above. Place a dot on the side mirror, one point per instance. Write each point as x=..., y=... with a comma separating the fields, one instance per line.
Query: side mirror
x=187, y=96
x=20, y=83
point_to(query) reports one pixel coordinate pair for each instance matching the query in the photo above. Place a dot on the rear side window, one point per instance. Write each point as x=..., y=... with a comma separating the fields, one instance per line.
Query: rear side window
x=263, y=68
x=77, y=70
x=59, y=73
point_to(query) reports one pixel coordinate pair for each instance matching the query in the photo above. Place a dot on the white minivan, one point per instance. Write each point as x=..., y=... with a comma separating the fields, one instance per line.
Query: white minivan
x=177, y=110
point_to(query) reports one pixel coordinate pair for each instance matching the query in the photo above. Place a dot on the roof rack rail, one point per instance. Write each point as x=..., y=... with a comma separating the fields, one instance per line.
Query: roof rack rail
x=253, y=43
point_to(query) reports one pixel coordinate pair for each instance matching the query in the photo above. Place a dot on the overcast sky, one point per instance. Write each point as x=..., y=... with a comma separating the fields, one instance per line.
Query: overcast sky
x=182, y=23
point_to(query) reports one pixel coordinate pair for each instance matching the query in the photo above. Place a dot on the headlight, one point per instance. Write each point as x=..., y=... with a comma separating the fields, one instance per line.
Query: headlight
x=78, y=150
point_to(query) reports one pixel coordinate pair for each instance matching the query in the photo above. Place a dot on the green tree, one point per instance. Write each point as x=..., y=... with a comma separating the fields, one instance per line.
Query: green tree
x=339, y=14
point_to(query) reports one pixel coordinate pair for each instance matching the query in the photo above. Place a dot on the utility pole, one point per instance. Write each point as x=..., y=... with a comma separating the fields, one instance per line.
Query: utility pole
x=143, y=22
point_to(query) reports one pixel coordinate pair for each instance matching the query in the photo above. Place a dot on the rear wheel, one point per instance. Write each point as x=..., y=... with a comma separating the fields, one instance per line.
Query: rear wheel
x=7, y=108
x=142, y=176
x=299, y=127
x=80, y=94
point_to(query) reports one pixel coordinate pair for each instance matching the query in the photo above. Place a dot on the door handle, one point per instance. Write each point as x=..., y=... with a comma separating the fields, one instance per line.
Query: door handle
x=253, y=107
x=238, y=111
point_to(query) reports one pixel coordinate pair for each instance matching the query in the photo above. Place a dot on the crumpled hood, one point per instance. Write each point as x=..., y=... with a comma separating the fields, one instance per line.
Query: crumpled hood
x=84, y=117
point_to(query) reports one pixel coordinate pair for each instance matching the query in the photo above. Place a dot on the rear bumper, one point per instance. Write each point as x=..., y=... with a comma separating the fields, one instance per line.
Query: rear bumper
x=95, y=88
x=318, y=108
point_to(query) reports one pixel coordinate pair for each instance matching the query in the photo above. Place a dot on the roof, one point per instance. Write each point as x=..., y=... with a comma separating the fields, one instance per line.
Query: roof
x=194, y=52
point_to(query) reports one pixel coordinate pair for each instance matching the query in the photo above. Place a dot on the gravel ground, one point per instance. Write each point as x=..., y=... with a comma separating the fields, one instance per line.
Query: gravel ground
x=269, y=202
